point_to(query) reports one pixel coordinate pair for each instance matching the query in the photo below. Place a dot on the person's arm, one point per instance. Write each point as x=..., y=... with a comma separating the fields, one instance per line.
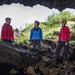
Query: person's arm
x=59, y=37
x=31, y=34
x=2, y=32
x=67, y=33
x=12, y=33
x=41, y=35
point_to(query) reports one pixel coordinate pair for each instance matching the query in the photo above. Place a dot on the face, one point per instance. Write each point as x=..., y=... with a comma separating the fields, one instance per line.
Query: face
x=35, y=24
x=8, y=21
x=63, y=23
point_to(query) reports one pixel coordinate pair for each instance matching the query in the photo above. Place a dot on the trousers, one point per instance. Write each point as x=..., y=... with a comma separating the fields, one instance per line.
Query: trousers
x=66, y=50
x=36, y=44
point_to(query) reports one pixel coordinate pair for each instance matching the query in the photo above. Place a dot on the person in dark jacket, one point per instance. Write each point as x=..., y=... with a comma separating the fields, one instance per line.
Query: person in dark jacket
x=7, y=33
x=36, y=36
x=63, y=41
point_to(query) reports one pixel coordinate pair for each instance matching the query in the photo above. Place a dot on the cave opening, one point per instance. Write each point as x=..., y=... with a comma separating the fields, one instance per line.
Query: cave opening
x=45, y=7
x=23, y=15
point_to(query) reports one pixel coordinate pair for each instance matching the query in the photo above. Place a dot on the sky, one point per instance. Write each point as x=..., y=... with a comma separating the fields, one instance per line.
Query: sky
x=24, y=15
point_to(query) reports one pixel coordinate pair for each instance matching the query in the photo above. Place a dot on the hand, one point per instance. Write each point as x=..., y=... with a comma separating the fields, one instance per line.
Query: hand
x=66, y=43
x=57, y=44
x=40, y=42
x=30, y=43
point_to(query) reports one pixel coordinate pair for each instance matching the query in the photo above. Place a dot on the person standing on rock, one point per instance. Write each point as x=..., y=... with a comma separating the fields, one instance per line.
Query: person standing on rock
x=36, y=36
x=63, y=41
x=7, y=34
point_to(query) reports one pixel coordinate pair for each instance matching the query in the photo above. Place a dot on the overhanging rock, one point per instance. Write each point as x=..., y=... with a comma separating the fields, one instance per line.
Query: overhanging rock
x=59, y=4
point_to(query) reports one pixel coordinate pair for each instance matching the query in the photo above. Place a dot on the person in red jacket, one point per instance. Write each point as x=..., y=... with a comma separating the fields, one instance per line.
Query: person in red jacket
x=7, y=34
x=63, y=41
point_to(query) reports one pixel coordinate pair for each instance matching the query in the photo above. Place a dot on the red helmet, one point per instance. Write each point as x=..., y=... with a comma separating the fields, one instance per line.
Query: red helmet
x=7, y=18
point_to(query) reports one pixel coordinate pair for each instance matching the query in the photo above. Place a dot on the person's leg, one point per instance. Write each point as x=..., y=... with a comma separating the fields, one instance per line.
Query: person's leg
x=38, y=45
x=65, y=54
x=8, y=41
x=5, y=40
x=58, y=50
x=34, y=44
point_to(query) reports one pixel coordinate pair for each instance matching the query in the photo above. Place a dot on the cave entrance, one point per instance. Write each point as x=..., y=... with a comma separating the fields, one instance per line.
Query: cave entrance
x=24, y=15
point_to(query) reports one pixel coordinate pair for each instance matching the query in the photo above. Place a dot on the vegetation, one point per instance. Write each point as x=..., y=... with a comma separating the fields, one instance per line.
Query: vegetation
x=0, y=36
x=50, y=28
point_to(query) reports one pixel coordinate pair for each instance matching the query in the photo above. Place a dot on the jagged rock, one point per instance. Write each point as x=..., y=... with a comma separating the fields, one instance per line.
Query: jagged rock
x=13, y=55
x=72, y=35
x=59, y=4
x=17, y=33
x=31, y=70
x=49, y=44
x=72, y=56
x=23, y=45
x=13, y=71
x=35, y=63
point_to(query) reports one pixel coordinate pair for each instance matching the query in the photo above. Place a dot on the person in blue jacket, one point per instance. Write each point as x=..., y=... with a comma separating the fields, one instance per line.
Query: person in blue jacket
x=36, y=36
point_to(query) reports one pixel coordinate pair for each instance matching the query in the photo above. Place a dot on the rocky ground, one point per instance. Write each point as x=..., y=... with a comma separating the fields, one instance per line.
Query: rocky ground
x=20, y=59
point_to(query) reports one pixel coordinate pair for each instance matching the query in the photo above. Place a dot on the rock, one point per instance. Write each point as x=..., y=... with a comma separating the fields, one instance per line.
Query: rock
x=72, y=56
x=36, y=63
x=23, y=45
x=5, y=68
x=31, y=70
x=44, y=69
x=17, y=33
x=48, y=3
x=16, y=56
x=72, y=35
x=13, y=71
x=49, y=44
x=53, y=71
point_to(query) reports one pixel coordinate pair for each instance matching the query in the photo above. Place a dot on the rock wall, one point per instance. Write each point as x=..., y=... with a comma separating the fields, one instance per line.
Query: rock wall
x=29, y=62
x=16, y=56
x=59, y=4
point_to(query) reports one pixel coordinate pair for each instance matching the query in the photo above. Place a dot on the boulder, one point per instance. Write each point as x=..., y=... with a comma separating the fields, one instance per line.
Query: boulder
x=16, y=56
x=26, y=62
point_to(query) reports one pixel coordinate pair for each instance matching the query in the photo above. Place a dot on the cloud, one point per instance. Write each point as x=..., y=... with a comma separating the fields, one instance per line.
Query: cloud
x=22, y=15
